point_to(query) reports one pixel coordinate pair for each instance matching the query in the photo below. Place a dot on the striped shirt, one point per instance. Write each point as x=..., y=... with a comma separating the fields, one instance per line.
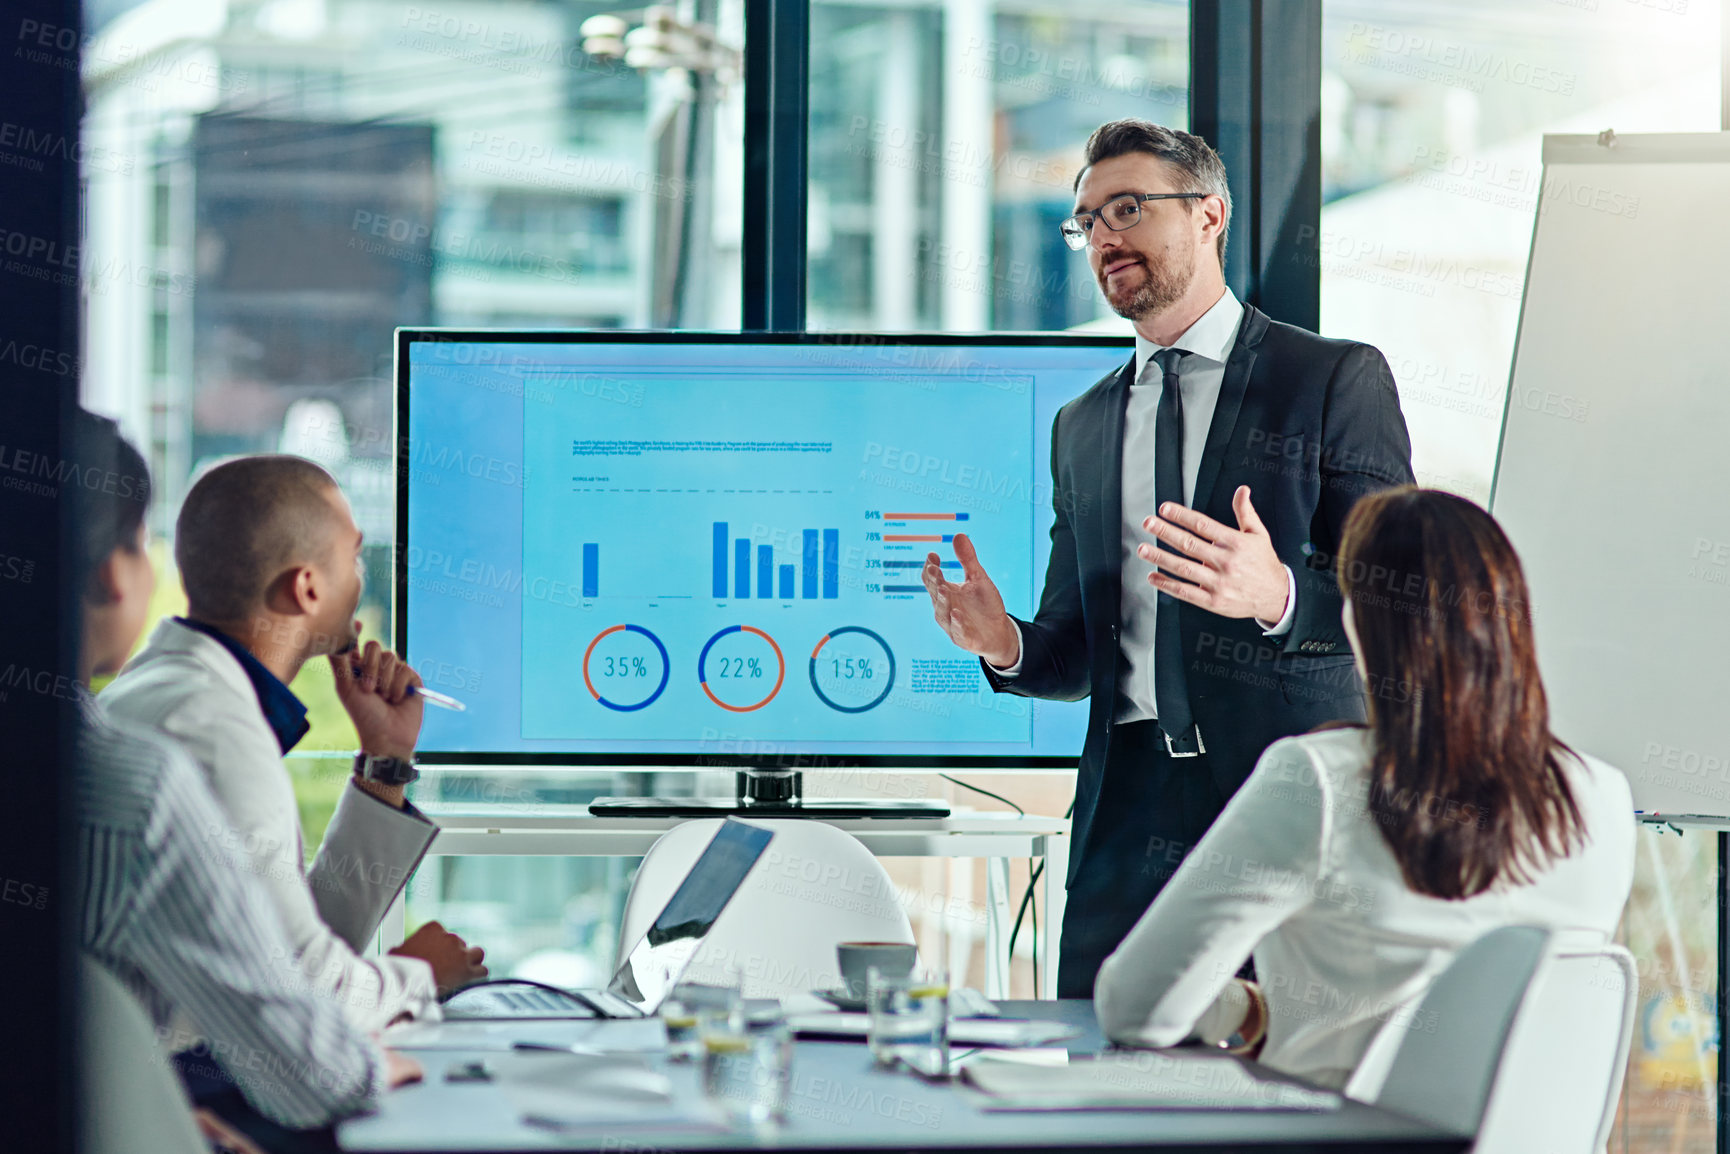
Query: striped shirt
x=163, y=905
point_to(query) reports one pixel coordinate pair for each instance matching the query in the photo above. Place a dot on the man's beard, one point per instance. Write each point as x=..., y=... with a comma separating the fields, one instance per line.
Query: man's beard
x=1162, y=286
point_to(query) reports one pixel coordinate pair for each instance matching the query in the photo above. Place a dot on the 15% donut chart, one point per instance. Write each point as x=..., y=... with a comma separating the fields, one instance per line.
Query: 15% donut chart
x=852, y=669
x=626, y=668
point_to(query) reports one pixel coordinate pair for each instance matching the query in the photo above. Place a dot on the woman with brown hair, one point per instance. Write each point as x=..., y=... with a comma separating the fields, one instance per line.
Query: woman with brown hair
x=1357, y=861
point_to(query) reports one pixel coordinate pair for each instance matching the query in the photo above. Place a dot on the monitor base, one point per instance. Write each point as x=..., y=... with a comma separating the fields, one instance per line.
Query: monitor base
x=821, y=808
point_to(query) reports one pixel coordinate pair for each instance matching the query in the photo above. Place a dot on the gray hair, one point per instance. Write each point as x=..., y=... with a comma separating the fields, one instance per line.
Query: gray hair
x=1197, y=165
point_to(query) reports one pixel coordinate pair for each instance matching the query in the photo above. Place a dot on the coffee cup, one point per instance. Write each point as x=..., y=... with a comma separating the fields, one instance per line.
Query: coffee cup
x=856, y=958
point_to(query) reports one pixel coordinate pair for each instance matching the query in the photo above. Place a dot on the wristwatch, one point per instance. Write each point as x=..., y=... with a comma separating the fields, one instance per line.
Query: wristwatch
x=385, y=770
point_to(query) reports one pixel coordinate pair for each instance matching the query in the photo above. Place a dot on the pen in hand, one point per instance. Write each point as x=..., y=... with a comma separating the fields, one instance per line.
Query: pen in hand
x=430, y=696
x=434, y=697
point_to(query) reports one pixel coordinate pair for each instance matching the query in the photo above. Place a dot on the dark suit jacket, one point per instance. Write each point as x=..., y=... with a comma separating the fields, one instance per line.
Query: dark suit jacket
x=1310, y=425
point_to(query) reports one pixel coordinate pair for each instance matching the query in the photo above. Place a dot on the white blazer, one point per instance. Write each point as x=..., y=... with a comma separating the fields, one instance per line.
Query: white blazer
x=1296, y=871
x=186, y=684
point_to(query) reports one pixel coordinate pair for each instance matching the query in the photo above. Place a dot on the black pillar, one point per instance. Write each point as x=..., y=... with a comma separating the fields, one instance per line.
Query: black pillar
x=777, y=56
x=1255, y=95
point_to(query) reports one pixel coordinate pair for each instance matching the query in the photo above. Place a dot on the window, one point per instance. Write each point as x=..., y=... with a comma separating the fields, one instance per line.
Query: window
x=1431, y=125
x=944, y=141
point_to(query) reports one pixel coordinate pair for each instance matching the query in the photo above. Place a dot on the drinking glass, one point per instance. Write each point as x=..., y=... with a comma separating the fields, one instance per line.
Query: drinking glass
x=748, y=1072
x=909, y=1019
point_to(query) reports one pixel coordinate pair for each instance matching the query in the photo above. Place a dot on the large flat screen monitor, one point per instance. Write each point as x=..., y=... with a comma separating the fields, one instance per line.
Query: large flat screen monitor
x=625, y=548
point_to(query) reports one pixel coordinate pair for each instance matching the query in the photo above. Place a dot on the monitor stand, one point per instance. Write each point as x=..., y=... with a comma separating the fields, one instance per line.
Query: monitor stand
x=767, y=793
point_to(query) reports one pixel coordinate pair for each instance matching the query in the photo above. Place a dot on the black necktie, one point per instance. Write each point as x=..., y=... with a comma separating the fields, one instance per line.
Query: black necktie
x=1170, y=686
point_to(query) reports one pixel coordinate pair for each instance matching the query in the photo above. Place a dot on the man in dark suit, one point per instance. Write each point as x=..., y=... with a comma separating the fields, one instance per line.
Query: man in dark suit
x=1239, y=444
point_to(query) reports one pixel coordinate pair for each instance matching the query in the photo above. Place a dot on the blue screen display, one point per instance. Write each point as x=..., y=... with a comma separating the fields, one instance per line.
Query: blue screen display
x=619, y=547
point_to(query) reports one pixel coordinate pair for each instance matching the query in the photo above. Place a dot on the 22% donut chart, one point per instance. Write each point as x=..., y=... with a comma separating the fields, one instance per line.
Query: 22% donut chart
x=737, y=666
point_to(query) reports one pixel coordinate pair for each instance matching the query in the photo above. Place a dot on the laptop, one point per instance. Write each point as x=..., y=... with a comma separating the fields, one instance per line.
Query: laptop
x=655, y=964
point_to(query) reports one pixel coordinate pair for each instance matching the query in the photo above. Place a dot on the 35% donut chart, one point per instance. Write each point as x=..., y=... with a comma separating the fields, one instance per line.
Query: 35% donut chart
x=626, y=668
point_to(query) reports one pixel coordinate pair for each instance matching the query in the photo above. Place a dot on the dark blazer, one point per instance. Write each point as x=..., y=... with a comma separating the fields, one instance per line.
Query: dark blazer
x=1310, y=425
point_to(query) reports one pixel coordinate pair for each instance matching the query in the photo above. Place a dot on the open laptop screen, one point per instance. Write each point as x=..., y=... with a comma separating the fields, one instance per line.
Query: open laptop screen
x=656, y=963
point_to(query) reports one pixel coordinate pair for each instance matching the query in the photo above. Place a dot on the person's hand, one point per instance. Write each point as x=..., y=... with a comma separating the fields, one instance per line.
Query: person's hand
x=400, y=1070
x=373, y=685
x=971, y=610
x=1231, y=572
x=454, y=962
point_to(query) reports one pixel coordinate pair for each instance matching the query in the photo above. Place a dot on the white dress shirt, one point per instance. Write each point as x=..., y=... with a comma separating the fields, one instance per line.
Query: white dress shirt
x=1296, y=870
x=1209, y=342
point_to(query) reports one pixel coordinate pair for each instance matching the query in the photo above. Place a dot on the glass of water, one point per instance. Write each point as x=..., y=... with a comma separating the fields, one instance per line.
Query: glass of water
x=679, y=1015
x=748, y=1072
x=909, y=1019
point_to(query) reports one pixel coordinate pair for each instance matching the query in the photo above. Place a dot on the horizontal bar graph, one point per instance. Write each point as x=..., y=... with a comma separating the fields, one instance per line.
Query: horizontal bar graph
x=925, y=516
x=817, y=575
x=903, y=588
x=932, y=538
x=918, y=564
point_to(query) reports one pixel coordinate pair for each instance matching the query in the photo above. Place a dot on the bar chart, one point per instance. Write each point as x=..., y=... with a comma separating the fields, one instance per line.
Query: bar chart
x=743, y=569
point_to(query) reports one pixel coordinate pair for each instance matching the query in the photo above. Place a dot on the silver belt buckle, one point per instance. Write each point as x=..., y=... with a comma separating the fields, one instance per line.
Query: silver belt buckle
x=1200, y=745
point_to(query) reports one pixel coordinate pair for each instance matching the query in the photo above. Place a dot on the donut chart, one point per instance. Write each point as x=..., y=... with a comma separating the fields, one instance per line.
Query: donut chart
x=733, y=668
x=633, y=667
x=854, y=670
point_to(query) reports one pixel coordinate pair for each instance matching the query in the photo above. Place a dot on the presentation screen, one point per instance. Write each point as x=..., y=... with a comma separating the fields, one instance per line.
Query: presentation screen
x=642, y=548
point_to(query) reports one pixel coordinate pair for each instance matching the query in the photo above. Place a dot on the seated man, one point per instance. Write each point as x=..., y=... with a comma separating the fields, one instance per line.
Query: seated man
x=270, y=558
x=163, y=907
x=1357, y=862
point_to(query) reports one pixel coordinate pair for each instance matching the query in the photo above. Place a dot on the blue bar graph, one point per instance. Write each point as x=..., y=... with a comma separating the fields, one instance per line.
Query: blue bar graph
x=720, y=559
x=831, y=563
x=809, y=589
x=817, y=573
x=591, y=570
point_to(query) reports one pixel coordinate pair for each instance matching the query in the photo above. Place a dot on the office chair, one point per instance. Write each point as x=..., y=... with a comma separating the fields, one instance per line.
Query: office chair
x=814, y=887
x=1522, y=1042
x=132, y=1099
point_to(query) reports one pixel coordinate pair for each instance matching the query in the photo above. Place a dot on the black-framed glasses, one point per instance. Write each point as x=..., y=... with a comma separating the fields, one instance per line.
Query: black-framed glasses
x=1118, y=213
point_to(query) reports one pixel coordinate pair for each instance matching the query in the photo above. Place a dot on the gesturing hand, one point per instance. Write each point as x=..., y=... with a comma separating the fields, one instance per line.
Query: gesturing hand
x=971, y=610
x=373, y=687
x=1231, y=572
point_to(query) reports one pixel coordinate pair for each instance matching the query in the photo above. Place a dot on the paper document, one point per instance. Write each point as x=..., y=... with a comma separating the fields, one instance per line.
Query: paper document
x=559, y=1090
x=962, y=1031
x=1139, y=1080
x=619, y=1036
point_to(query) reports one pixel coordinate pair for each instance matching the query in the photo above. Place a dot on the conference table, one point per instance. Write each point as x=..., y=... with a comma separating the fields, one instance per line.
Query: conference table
x=839, y=1101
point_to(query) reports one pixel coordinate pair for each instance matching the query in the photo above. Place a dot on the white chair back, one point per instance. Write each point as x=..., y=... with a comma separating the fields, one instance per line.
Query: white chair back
x=1567, y=1054
x=814, y=887
x=1523, y=1029
x=131, y=1099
